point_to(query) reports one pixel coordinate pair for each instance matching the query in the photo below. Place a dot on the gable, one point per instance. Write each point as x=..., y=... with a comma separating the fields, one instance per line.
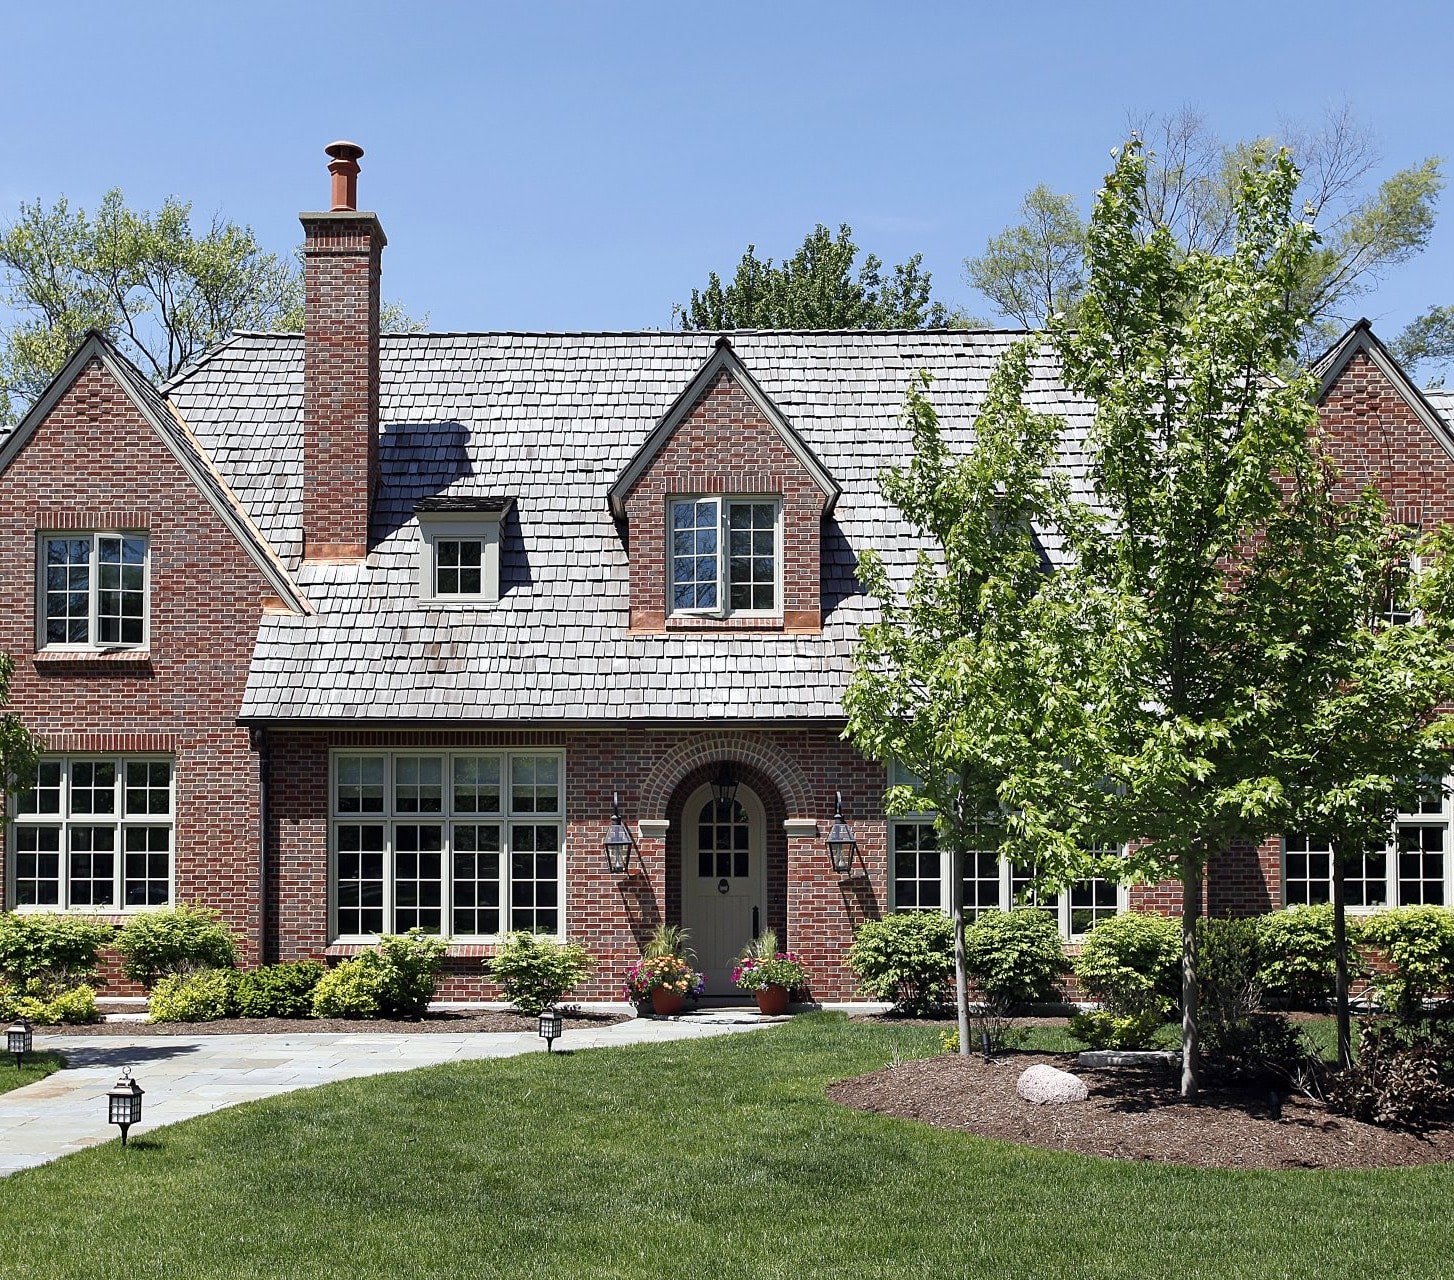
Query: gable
x=96, y=375
x=722, y=374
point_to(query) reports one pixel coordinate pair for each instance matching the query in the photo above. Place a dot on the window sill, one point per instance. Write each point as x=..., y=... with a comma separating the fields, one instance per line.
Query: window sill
x=88, y=657
x=454, y=951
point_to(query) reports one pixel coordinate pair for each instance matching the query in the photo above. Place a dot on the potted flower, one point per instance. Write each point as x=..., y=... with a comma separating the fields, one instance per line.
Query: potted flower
x=666, y=981
x=771, y=975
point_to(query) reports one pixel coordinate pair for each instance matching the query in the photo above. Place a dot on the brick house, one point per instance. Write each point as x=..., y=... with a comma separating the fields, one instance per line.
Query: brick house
x=344, y=633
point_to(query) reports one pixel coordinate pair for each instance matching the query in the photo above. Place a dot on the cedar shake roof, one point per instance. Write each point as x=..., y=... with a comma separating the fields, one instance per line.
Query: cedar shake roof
x=552, y=421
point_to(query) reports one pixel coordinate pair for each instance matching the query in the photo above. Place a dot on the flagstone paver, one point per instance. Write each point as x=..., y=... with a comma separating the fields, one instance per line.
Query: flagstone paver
x=186, y=1076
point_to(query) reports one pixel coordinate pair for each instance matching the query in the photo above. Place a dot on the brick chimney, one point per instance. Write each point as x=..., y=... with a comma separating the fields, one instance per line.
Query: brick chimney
x=341, y=253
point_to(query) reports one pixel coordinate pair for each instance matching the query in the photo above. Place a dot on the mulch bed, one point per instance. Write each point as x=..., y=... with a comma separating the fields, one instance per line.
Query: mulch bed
x=447, y=1023
x=1135, y=1114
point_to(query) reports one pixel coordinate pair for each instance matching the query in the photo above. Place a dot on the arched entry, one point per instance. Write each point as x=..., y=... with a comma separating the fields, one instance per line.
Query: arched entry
x=724, y=879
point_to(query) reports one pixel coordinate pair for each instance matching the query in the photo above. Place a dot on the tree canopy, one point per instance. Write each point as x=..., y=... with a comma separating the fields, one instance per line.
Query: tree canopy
x=817, y=288
x=1037, y=268
x=160, y=290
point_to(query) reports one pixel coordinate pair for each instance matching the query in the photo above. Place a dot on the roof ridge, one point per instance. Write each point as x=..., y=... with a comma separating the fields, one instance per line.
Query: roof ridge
x=689, y=334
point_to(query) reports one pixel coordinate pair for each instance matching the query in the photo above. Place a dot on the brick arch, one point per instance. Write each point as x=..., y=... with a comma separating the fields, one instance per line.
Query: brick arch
x=754, y=752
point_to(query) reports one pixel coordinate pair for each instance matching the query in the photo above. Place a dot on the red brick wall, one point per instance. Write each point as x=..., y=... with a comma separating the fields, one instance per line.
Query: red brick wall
x=341, y=259
x=725, y=445
x=96, y=463
x=612, y=915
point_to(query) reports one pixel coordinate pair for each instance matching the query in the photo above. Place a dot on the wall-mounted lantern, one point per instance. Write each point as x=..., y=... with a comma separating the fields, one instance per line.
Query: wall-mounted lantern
x=841, y=845
x=618, y=840
x=724, y=785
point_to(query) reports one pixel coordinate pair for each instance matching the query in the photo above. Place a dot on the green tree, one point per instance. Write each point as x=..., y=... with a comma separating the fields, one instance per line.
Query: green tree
x=816, y=288
x=1035, y=268
x=1369, y=663
x=950, y=682
x=158, y=289
x=1195, y=444
x=19, y=748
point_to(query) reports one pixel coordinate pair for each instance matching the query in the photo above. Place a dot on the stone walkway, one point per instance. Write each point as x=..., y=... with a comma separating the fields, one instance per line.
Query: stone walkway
x=186, y=1076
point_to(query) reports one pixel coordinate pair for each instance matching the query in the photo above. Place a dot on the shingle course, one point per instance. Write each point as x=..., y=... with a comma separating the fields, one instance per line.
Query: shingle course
x=551, y=419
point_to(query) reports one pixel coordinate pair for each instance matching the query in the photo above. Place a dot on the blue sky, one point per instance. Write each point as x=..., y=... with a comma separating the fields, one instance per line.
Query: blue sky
x=583, y=165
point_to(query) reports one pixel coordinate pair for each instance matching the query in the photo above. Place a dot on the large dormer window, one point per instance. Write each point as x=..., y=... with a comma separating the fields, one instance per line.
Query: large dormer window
x=459, y=561
x=725, y=556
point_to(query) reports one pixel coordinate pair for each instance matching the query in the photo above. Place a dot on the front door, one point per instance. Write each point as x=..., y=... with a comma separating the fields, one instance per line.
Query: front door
x=723, y=881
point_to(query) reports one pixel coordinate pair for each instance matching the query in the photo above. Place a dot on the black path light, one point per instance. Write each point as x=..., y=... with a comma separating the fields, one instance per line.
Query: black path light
x=724, y=784
x=18, y=1040
x=550, y=1027
x=841, y=845
x=618, y=840
x=125, y=1102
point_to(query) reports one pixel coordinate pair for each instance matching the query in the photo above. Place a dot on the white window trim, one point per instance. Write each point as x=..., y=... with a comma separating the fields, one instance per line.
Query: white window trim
x=94, y=591
x=436, y=526
x=724, y=501
x=1444, y=819
x=120, y=820
x=447, y=818
x=1006, y=876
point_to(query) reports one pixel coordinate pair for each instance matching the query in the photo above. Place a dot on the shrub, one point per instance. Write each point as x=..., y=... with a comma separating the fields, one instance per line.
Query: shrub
x=1259, y=1048
x=179, y=941
x=203, y=996
x=1131, y=963
x=906, y=958
x=1102, y=1030
x=76, y=1005
x=349, y=990
x=279, y=990
x=394, y=980
x=58, y=949
x=1418, y=942
x=1229, y=958
x=534, y=972
x=1014, y=957
x=1401, y=1077
x=1298, y=961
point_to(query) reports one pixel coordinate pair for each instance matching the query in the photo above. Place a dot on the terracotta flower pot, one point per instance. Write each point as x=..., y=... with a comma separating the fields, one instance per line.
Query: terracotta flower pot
x=666, y=1002
x=772, y=1000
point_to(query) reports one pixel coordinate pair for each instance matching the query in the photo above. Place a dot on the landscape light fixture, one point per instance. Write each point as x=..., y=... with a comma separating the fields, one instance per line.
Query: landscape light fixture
x=18, y=1041
x=550, y=1027
x=125, y=1102
x=841, y=845
x=618, y=841
x=724, y=785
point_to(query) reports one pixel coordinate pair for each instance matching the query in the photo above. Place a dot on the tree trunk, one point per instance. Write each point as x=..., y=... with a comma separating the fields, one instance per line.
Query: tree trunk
x=1340, y=961
x=961, y=982
x=1191, y=910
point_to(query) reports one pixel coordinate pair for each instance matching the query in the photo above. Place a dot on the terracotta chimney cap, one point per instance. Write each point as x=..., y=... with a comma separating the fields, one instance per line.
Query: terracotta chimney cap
x=344, y=168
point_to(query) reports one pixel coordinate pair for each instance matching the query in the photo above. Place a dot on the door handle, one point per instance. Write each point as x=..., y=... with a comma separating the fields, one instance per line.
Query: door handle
x=756, y=924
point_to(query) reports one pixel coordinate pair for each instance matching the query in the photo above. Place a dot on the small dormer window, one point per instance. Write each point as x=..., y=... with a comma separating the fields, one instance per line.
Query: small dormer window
x=725, y=555
x=459, y=561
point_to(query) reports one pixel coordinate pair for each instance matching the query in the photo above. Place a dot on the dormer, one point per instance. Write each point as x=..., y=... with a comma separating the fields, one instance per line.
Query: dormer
x=724, y=505
x=459, y=548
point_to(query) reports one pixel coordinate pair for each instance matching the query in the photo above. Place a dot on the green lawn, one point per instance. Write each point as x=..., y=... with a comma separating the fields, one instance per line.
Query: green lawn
x=719, y=1158
x=37, y=1065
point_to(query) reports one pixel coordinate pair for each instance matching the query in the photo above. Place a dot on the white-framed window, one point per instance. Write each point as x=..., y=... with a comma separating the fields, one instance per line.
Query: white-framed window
x=1415, y=867
x=469, y=844
x=921, y=877
x=92, y=590
x=459, y=550
x=95, y=833
x=1398, y=606
x=725, y=555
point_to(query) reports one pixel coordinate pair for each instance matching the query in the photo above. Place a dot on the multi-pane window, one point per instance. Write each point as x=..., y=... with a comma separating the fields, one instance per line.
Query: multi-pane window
x=724, y=555
x=94, y=833
x=466, y=843
x=1413, y=869
x=458, y=567
x=723, y=841
x=93, y=589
